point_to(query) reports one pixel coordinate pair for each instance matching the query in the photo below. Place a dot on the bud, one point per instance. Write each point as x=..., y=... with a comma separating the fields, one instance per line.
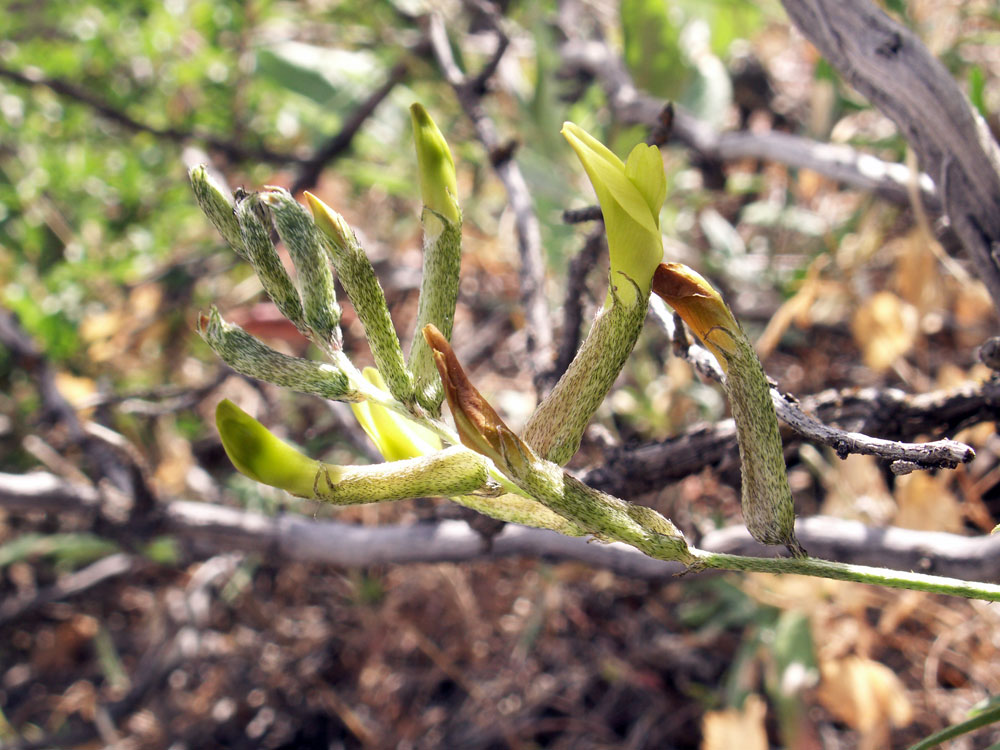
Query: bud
x=630, y=195
x=700, y=306
x=361, y=284
x=297, y=231
x=255, y=228
x=217, y=206
x=442, y=220
x=258, y=454
x=479, y=426
x=400, y=438
x=438, y=185
x=766, y=498
x=249, y=356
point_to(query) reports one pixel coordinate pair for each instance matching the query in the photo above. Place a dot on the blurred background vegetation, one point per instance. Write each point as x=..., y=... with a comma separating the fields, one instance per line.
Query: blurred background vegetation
x=107, y=262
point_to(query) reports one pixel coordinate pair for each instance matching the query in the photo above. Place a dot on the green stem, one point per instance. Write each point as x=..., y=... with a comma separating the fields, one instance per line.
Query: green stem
x=555, y=428
x=980, y=720
x=810, y=566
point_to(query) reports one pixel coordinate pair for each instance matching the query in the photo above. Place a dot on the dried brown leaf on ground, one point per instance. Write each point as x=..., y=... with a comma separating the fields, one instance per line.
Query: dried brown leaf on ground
x=867, y=696
x=886, y=328
x=736, y=727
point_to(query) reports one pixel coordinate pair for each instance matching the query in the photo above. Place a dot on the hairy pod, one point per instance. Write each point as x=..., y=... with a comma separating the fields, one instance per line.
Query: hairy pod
x=766, y=497
x=255, y=228
x=606, y=517
x=299, y=233
x=262, y=456
x=251, y=357
x=217, y=206
x=359, y=281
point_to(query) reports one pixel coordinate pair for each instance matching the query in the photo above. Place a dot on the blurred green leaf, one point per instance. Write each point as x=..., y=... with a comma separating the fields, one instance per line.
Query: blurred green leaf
x=652, y=39
x=717, y=604
x=67, y=551
x=163, y=550
x=794, y=668
x=984, y=714
x=292, y=66
x=977, y=88
x=111, y=664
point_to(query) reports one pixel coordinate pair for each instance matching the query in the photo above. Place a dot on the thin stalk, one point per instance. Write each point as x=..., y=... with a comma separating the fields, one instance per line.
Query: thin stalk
x=811, y=566
x=982, y=719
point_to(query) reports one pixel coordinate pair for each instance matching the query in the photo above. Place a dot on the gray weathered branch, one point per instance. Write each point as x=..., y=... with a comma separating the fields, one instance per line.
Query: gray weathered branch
x=890, y=66
x=875, y=421
x=934, y=454
x=298, y=537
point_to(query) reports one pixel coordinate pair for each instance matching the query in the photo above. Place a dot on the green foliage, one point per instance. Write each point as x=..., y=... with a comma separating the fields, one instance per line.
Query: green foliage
x=977, y=88
x=983, y=714
x=653, y=51
x=66, y=551
x=674, y=50
x=163, y=550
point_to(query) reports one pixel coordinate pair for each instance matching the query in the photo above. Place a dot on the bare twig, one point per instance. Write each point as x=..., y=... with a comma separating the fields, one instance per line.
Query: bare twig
x=300, y=538
x=888, y=64
x=468, y=91
x=125, y=476
x=233, y=151
x=581, y=215
x=157, y=402
x=310, y=170
x=841, y=163
x=69, y=585
x=183, y=643
x=935, y=454
x=576, y=284
x=889, y=414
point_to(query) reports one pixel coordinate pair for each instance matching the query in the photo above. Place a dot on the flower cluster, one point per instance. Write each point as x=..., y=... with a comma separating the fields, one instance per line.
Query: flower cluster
x=480, y=463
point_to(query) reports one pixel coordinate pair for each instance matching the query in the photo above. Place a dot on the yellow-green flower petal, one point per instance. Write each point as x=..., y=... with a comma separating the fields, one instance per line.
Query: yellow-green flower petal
x=607, y=174
x=644, y=169
x=630, y=196
x=260, y=455
x=395, y=436
x=438, y=185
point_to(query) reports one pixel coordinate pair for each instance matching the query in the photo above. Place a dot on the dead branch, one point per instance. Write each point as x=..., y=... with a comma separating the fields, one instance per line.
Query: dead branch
x=311, y=169
x=70, y=585
x=890, y=66
x=884, y=419
x=573, y=302
x=297, y=537
x=184, y=642
x=122, y=475
x=935, y=454
x=873, y=421
x=469, y=92
x=233, y=151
